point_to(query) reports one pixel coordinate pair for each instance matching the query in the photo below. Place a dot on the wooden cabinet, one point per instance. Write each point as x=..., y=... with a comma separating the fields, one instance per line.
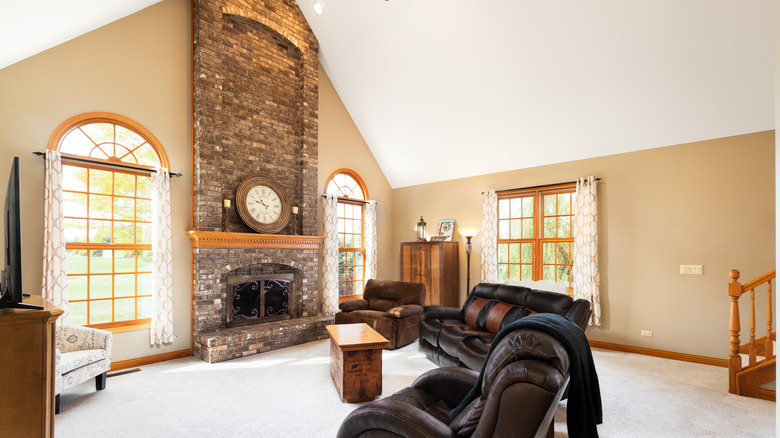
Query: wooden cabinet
x=434, y=264
x=27, y=370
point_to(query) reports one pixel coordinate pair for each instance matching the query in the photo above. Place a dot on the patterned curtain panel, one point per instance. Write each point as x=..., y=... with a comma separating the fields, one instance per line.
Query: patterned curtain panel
x=489, y=253
x=55, y=278
x=371, y=235
x=162, y=292
x=585, y=270
x=330, y=256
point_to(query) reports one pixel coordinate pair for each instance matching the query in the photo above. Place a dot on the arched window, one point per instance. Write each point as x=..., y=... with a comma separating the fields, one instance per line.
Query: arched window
x=107, y=218
x=352, y=194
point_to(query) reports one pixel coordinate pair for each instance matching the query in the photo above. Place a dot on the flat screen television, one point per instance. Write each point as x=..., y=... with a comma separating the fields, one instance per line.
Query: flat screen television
x=11, y=294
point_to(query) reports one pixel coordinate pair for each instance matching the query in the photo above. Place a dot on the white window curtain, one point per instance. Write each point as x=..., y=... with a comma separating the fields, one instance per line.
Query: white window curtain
x=330, y=256
x=489, y=252
x=55, y=277
x=585, y=270
x=371, y=239
x=162, y=292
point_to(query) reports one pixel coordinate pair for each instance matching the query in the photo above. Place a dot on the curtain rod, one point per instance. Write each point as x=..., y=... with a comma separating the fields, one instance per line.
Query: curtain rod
x=101, y=163
x=538, y=187
x=350, y=200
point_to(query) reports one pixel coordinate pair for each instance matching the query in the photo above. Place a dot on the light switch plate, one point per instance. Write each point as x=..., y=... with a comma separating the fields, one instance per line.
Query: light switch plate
x=691, y=269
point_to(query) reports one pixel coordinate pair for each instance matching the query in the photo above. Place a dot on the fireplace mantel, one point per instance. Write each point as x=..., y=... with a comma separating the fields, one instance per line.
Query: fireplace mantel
x=222, y=239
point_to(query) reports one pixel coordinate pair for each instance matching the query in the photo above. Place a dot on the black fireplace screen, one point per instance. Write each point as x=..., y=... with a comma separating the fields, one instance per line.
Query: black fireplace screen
x=258, y=299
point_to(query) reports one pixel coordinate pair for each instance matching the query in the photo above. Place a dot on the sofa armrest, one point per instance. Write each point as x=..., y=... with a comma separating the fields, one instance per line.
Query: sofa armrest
x=404, y=311
x=431, y=312
x=359, y=304
x=77, y=338
x=450, y=384
x=393, y=416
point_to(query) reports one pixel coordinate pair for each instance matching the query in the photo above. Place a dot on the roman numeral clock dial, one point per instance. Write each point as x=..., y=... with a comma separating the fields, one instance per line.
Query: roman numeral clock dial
x=262, y=204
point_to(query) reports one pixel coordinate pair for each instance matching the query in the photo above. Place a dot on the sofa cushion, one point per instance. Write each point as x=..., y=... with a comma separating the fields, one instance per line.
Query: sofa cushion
x=430, y=328
x=450, y=338
x=77, y=359
x=473, y=349
x=358, y=316
x=385, y=294
x=474, y=309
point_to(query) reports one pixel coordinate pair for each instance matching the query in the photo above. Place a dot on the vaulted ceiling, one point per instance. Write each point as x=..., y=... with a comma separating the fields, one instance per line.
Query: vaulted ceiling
x=449, y=89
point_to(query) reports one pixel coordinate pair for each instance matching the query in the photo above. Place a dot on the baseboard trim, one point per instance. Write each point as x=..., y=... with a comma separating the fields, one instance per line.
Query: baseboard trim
x=766, y=394
x=724, y=363
x=146, y=360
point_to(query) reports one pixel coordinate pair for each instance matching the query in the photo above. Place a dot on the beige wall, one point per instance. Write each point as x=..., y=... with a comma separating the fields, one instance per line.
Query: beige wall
x=659, y=208
x=709, y=203
x=342, y=146
x=138, y=67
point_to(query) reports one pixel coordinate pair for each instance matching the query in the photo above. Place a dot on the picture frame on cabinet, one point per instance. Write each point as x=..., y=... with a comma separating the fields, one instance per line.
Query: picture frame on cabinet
x=444, y=231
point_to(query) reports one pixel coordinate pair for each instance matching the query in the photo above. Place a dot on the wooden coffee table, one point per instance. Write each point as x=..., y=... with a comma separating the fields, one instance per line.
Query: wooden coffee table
x=356, y=361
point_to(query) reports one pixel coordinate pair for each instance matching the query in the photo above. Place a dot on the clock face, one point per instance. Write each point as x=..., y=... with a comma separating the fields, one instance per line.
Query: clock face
x=262, y=204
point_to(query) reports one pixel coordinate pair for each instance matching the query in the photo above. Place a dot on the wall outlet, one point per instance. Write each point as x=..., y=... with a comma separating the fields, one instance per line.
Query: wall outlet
x=691, y=269
x=646, y=333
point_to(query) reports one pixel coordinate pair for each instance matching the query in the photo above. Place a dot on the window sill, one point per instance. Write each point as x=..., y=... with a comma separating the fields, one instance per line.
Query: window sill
x=121, y=328
x=350, y=298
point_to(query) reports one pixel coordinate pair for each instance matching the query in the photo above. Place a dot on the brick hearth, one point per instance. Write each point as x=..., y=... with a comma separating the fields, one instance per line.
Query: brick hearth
x=216, y=255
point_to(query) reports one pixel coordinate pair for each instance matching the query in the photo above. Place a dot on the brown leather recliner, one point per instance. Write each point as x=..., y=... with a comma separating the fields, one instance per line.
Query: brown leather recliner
x=524, y=379
x=392, y=308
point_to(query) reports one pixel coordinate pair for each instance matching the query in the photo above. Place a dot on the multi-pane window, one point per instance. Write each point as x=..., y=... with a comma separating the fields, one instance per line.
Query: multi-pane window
x=352, y=194
x=108, y=222
x=535, y=239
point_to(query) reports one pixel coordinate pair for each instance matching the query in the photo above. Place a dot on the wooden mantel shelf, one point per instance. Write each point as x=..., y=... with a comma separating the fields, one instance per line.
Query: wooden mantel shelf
x=221, y=239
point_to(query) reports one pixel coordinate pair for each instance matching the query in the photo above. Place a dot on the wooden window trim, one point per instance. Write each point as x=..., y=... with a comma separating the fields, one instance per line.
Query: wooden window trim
x=538, y=241
x=354, y=176
x=55, y=141
x=361, y=204
x=80, y=120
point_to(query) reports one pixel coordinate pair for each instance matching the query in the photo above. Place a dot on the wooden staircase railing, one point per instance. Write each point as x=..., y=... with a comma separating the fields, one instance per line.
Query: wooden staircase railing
x=744, y=380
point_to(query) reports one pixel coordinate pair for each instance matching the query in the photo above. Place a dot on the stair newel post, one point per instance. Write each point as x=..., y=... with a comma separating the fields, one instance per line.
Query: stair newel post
x=735, y=363
x=769, y=350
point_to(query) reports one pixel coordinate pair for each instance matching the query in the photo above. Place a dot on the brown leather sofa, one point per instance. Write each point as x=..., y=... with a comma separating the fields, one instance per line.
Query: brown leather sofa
x=392, y=308
x=451, y=336
x=524, y=379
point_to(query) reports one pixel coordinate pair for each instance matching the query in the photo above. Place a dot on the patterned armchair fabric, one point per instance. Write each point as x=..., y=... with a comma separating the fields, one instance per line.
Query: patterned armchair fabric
x=82, y=353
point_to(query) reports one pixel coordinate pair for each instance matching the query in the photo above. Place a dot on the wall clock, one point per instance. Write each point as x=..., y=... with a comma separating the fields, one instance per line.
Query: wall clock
x=262, y=204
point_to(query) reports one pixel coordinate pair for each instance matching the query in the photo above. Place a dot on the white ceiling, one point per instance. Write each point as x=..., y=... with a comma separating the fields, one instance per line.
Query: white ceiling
x=443, y=89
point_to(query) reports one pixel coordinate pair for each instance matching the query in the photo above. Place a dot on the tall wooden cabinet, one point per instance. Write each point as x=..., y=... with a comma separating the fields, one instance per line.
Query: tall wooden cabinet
x=27, y=370
x=434, y=264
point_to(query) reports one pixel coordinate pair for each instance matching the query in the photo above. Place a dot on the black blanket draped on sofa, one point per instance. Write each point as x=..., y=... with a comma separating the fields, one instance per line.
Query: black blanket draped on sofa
x=584, y=406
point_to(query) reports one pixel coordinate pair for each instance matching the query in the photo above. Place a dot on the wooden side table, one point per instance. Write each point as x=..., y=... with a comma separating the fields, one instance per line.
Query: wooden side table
x=356, y=361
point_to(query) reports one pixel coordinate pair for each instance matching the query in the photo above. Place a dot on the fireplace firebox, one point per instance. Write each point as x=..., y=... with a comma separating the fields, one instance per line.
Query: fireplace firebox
x=254, y=299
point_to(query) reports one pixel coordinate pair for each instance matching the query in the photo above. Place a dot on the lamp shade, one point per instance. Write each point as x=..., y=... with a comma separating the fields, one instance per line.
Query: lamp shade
x=468, y=231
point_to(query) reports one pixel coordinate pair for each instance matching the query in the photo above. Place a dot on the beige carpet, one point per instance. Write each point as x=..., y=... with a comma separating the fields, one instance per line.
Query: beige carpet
x=289, y=393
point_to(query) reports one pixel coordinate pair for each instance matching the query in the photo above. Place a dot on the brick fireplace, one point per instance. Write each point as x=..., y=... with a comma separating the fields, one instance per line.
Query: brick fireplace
x=255, y=91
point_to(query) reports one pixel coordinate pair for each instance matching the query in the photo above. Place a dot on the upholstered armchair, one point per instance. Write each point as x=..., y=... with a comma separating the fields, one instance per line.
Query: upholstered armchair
x=392, y=308
x=82, y=353
x=523, y=381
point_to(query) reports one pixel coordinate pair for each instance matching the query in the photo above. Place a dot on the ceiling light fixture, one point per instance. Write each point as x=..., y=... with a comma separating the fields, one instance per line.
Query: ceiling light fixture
x=317, y=7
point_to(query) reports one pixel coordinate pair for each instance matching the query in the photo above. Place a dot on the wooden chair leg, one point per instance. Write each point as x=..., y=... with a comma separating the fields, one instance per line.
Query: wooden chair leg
x=100, y=382
x=56, y=404
x=551, y=430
